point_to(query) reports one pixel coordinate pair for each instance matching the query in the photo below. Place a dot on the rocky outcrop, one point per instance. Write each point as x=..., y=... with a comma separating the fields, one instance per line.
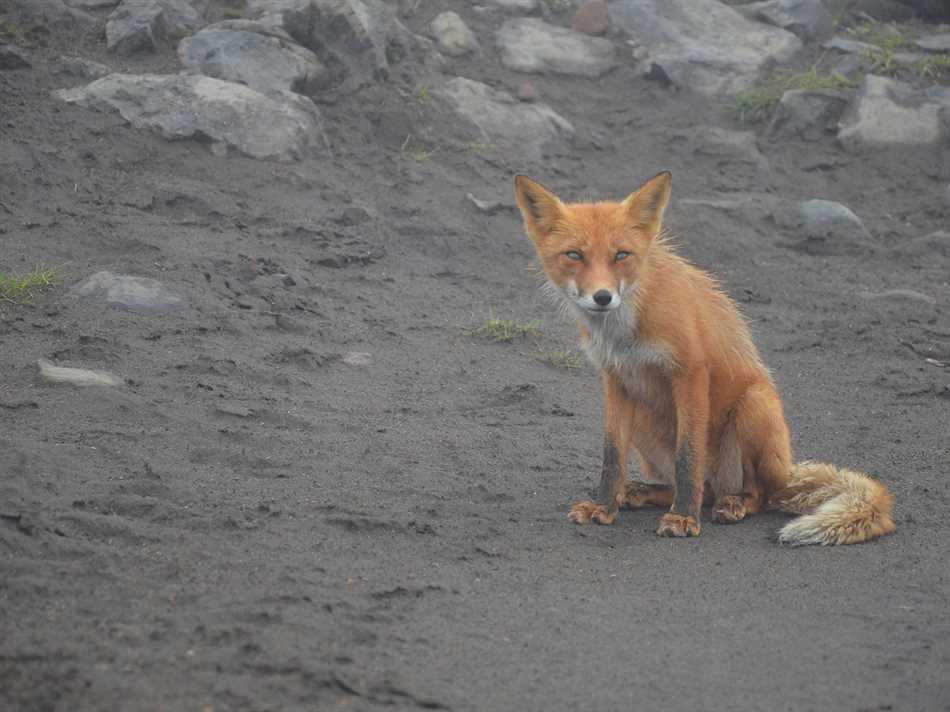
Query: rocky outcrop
x=262, y=61
x=499, y=118
x=888, y=112
x=140, y=25
x=807, y=19
x=280, y=126
x=702, y=44
x=358, y=41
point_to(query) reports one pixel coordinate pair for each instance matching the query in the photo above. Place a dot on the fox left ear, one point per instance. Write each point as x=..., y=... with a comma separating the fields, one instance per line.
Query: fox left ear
x=645, y=206
x=540, y=208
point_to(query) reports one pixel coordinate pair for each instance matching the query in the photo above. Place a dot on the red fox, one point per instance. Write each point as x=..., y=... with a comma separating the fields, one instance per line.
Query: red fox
x=684, y=386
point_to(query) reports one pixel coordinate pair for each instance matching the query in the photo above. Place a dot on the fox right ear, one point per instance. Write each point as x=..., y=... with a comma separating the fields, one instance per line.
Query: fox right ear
x=540, y=208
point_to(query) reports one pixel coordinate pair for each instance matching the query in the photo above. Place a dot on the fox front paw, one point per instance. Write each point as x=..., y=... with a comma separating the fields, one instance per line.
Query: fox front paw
x=672, y=524
x=587, y=512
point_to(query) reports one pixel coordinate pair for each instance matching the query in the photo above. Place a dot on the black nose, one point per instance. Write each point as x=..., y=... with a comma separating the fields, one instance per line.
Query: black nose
x=603, y=297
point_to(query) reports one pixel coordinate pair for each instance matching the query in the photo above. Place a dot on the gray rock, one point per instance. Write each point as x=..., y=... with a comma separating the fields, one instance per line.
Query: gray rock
x=887, y=112
x=261, y=61
x=50, y=373
x=92, y=4
x=807, y=19
x=500, y=118
x=51, y=13
x=935, y=43
x=452, y=35
x=280, y=127
x=358, y=39
x=831, y=228
x=524, y=7
x=928, y=247
x=140, y=295
x=489, y=207
x=851, y=46
x=82, y=68
x=532, y=45
x=358, y=358
x=908, y=294
x=808, y=115
x=140, y=25
x=702, y=44
x=902, y=304
x=12, y=57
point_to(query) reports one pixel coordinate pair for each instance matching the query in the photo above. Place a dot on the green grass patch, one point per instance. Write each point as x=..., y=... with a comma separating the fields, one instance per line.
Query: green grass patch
x=22, y=288
x=935, y=67
x=505, y=330
x=18, y=35
x=758, y=102
x=569, y=359
x=887, y=37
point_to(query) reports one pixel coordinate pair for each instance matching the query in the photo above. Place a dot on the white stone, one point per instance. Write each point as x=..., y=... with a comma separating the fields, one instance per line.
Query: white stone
x=887, y=112
x=532, y=45
x=453, y=35
x=141, y=295
x=50, y=373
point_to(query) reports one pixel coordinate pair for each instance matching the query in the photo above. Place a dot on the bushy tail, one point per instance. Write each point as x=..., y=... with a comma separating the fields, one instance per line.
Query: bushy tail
x=839, y=506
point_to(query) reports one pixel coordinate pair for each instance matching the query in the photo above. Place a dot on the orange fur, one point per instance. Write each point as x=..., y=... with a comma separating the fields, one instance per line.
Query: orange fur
x=685, y=388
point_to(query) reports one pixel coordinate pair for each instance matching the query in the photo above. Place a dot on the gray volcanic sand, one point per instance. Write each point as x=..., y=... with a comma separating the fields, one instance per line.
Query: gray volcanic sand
x=257, y=520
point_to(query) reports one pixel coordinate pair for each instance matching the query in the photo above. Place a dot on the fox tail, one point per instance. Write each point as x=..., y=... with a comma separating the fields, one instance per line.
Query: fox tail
x=839, y=506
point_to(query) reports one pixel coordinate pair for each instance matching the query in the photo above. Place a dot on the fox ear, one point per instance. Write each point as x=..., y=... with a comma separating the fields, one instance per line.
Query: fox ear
x=645, y=205
x=540, y=208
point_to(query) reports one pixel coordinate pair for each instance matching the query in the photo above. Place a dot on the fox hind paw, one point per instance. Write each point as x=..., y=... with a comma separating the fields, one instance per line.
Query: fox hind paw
x=729, y=509
x=586, y=512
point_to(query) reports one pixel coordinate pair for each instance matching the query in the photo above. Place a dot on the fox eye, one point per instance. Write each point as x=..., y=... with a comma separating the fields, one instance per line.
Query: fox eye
x=621, y=256
x=574, y=255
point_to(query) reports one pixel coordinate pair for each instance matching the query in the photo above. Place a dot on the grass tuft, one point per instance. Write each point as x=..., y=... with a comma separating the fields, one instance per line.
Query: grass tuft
x=758, y=102
x=569, y=359
x=21, y=288
x=935, y=67
x=888, y=37
x=505, y=330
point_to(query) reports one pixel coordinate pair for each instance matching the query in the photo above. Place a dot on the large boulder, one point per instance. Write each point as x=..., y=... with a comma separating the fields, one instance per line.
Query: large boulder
x=358, y=41
x=499, y=118
x=532, y=45
x=280, y=126
x=50, y=13
x=806, y=19
x=702, y=44
x=888, y=112
x=140, y=25
x=808, y=115
x=262, y=61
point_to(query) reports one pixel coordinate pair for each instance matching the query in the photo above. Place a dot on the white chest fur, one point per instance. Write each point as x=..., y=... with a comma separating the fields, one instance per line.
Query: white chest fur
x=613, y=345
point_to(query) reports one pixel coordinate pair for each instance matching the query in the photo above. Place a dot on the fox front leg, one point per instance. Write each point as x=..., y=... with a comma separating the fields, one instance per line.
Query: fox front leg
x=690, y=396
x=618, y=417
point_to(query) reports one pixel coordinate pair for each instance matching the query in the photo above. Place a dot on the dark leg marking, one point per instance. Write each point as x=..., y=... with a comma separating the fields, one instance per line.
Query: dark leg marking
x=610, y=476
x=684, y=501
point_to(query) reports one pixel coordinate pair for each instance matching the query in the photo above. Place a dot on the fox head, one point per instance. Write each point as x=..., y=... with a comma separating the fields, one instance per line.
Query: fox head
x=593, y=252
